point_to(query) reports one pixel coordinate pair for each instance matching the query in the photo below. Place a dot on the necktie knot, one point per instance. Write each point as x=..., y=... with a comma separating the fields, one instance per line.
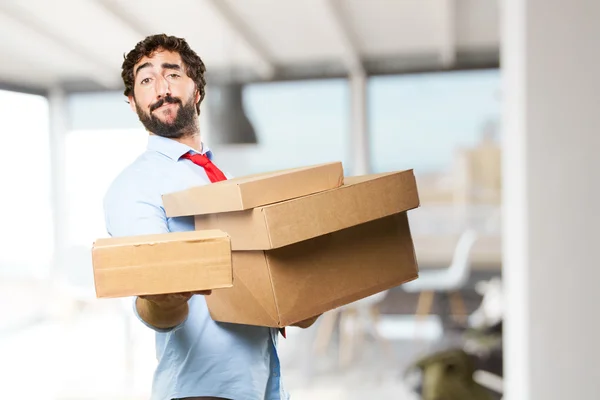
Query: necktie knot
x=213, y=173
x=198, y=159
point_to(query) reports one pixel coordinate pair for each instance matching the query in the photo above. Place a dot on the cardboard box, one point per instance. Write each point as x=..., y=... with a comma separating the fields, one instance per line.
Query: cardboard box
x=163, y=263
x=360, y=199
x=305, y=255
x=251, y=191
x=280, y=287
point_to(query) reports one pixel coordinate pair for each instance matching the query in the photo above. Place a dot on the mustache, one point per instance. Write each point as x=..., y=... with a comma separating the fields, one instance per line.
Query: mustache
x=166, y=99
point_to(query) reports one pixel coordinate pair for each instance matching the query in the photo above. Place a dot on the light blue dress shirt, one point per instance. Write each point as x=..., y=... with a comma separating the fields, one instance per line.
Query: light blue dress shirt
x=200, y=357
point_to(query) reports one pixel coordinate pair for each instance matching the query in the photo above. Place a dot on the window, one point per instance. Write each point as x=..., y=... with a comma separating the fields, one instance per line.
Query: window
x=419, y=121
x=26, y=236
x=297, y=123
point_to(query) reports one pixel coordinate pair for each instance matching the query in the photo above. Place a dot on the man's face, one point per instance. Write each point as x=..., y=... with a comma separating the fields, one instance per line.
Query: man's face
x=164, y=96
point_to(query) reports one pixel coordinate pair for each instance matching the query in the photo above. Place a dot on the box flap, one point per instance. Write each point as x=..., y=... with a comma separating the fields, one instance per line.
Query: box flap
x=252, y=288
x=251, y=191
x=359, y=200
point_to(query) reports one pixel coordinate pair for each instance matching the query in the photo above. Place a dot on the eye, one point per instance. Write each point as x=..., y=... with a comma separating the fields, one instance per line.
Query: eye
x=145, y=81
x=173, y=76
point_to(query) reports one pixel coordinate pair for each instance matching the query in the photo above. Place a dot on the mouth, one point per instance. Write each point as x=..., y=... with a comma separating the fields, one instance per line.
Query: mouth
x=165, y=106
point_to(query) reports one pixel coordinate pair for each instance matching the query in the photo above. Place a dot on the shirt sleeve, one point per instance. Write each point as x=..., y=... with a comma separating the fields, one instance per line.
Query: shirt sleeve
x=130, y=211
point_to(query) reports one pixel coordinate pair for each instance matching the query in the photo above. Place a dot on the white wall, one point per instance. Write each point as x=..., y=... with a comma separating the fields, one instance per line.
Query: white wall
x=552, y=193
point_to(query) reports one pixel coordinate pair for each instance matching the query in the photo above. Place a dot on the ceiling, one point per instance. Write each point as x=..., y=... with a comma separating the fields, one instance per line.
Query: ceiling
x=79, y=44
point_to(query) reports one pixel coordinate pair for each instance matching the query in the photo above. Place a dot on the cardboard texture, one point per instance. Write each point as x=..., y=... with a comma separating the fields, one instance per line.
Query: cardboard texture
x=359, y=200
x=162, y=263
x=280, y=287
x=251, y=191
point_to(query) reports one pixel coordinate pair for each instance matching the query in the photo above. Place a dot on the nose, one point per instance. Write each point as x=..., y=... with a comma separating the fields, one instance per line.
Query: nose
x=162, y=88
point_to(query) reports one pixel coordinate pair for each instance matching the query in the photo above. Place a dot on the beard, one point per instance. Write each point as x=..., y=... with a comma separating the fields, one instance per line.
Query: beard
x=185, y=122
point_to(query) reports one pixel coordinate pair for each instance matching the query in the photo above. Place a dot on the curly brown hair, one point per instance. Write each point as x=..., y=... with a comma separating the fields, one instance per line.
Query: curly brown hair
x=193, y=64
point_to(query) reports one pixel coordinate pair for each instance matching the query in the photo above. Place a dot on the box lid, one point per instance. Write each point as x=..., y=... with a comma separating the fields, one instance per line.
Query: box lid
x=256, y=190
x=149, y=240
x=361, y=199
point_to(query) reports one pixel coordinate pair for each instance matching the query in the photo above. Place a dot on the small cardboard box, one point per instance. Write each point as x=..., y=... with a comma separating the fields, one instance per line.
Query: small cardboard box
x=283, y=286
x=162, y=263
x=251, y=191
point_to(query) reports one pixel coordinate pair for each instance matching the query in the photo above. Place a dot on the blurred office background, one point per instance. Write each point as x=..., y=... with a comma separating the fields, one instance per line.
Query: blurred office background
x=380, y=85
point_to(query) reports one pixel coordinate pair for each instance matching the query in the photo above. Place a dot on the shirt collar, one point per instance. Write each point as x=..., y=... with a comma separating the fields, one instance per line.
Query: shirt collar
x=172, y=148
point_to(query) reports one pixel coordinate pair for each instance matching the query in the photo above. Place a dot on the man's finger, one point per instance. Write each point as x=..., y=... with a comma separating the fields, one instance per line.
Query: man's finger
x=203, y=292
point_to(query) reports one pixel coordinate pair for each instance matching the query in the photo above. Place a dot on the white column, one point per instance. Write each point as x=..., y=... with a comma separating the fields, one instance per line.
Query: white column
x=359, y=144
x=58, y=130
x=551, y=179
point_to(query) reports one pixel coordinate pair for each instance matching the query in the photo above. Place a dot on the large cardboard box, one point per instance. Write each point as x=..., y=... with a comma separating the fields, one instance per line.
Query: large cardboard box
x=251, y=191
x=301, y=257
x=283, y=286
x=162, y=263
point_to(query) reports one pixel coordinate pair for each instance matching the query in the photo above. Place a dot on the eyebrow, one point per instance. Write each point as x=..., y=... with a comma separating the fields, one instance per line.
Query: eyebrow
x=171, y=66
x=144, y=65
x=164, y=65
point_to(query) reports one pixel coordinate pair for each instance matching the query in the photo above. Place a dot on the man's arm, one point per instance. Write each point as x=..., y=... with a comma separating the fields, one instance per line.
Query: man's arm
x=164, y=311
x=129, y=213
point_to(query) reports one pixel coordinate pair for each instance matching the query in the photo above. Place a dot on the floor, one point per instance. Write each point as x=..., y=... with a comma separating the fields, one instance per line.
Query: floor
x=375, y=372
x=80, y=353
x=84, y=359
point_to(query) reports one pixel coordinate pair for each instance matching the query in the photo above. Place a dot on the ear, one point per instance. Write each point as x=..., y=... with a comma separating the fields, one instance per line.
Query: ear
x=197, y=96
x=132, y=104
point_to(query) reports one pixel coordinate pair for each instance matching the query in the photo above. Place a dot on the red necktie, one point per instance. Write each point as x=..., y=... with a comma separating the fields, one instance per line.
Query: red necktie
x=214, y=173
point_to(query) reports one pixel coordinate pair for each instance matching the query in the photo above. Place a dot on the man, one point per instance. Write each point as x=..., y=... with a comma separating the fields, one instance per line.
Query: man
x=198, y=358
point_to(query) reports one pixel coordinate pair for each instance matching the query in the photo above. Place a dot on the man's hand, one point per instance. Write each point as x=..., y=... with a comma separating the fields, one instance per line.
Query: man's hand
x=307, y=322
x=172, y=300
x=165, y=310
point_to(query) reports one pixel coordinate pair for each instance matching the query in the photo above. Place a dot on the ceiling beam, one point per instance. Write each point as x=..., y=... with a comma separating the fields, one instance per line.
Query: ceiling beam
x=115, y=9
x=448, y=33
x=98, y=71
x=19, y=73
x=401, y=64
x=18, y=88
x=346, y=35
x=391, y=65
x=265, y=67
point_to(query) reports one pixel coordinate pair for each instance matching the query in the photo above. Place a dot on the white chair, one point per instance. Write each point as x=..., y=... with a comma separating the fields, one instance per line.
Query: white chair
x=450, y=280
x=491, y=310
